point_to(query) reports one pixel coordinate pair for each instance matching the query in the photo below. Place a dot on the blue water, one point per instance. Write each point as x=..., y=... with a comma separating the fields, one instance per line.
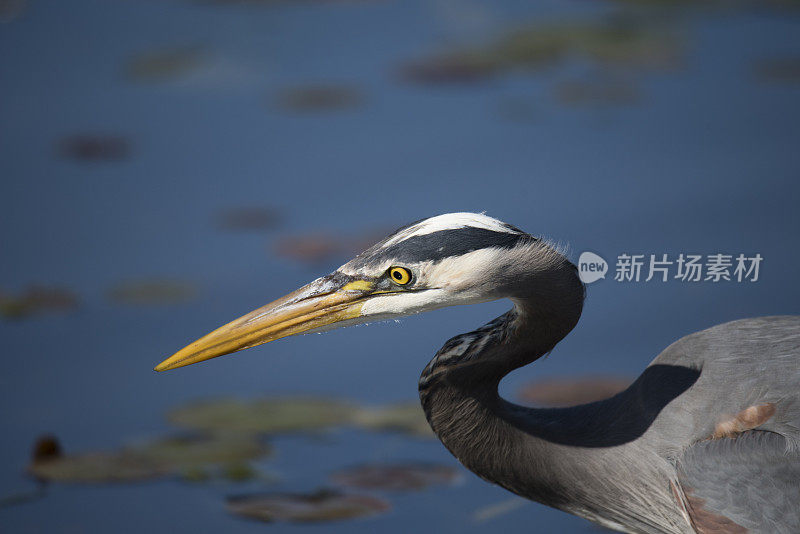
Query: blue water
x=705, y=162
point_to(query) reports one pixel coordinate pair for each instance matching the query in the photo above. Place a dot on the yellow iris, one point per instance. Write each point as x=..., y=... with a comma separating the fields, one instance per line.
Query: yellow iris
x=400, y=275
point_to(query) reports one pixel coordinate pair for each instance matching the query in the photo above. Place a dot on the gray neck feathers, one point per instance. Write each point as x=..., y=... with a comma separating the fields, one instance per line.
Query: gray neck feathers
x=538, y=454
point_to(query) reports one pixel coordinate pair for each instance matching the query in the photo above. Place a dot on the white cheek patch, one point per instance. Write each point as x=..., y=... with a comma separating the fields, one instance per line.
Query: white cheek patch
x=404, y=303
x=457, y=272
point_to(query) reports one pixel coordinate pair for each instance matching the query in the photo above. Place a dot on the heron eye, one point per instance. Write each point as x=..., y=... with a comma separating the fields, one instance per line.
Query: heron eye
x=400, y=275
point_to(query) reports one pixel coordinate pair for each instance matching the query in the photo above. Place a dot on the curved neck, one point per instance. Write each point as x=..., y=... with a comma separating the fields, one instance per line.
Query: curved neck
x=459, y=387
x=539, y=454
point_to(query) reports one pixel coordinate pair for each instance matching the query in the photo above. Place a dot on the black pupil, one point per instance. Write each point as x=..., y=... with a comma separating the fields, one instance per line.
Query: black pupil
x=398, y=275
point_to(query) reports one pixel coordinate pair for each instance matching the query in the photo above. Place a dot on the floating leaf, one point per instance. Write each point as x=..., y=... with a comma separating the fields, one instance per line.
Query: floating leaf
x=97, y=467
x=185, y=452
x=459, y=67
x=95, y=147
x=164, y=64
x=406, y=417
x=312, y=248
x=779, y=70
x=11, y=9
x=239, y=471
x=152, y=292
x=36, y=299
x=572, y=391
x=323, y=505
x=596, y=92
x=189, y=456
x=248, y=219
x=395, y=477
x=320, y=246
x=22, y=497
x=316, y=98
x=267, y=416
x=620, y=42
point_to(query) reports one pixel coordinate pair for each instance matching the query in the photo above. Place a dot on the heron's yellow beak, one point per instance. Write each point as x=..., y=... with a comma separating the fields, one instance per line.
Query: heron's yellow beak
x=314, y=306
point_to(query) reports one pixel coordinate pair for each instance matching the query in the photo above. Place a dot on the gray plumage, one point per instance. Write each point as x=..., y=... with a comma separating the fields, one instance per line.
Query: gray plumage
x=643, y=460
x=706, y=440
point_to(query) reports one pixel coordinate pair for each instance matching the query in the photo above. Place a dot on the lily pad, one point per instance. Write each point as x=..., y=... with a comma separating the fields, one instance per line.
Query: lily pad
x=573, y=391
x=95, y=147
x=35, y=300
x=94, y=467
x=395, y=477
x=164, y=64
x=619, y=42
x=323, y=505
x=11, y=9
x=597, y=93
x=152, y=292
x=262, y=416
x=249, y=219
x=317, y=247
x=779, y=70
x=186, y=452
x=317, y=98
x=312, y=248
x=192, y=457
x=406, y=418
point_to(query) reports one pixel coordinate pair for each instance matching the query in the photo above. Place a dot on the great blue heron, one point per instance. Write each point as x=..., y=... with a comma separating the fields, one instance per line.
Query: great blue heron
x=706, y=440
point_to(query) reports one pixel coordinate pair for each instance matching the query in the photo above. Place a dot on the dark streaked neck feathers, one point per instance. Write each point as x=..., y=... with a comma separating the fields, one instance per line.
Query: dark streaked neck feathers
x=519, y=448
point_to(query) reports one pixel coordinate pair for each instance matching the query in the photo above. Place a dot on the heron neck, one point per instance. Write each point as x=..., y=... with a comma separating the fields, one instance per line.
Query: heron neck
x=581, y=459
x=459, y=387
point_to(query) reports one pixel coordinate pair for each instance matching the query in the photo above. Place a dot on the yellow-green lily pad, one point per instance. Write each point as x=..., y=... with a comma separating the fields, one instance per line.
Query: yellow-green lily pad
x=405, y=417
x=324, y=505
x=35, y=300
x=185, y=452
x=262, y=416
x=94, y=467
x=192, y=457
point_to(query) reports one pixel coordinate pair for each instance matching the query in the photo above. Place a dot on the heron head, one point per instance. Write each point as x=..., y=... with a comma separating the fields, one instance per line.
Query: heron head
x=451, y=259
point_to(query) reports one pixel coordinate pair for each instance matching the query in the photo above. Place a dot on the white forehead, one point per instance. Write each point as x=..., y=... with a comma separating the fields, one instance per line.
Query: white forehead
x=449, y=221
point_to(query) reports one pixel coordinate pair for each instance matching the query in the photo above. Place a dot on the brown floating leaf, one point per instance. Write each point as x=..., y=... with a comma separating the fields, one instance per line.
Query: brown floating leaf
x=316, y=98
x=94, y=147
x=164, y=64
x=248, y=219
x=452, y=68
x=597, y=92
x=779, y=70
x=11, y=9
x=396, y=477
x=573, y=391
x=152, y=292
x=312, y=248
x=36, y=299
x=323, y=505
x=320, y=246
x=264, y=416
x=406, y=417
